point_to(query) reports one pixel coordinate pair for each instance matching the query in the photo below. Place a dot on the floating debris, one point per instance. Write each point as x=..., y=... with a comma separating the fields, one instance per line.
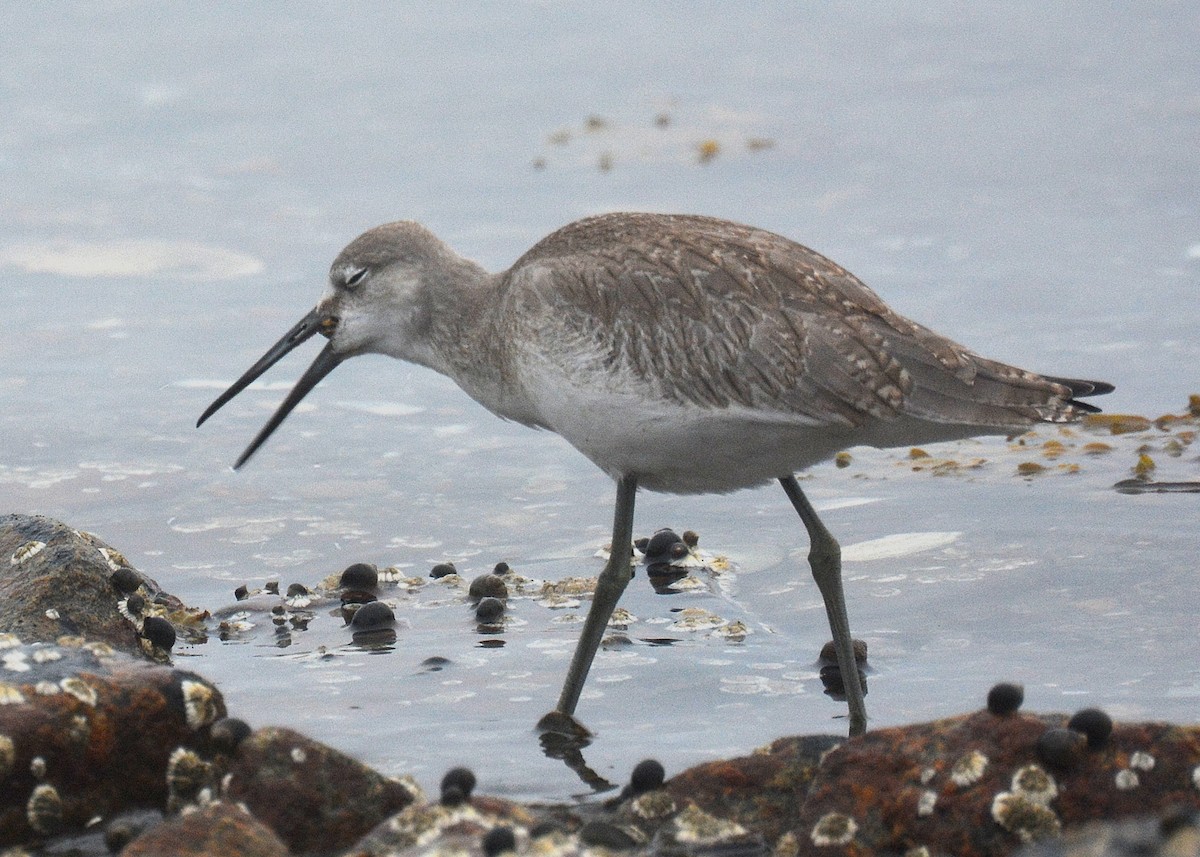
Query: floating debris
x=1116, y=423
x=488, y=586
x=707, y=150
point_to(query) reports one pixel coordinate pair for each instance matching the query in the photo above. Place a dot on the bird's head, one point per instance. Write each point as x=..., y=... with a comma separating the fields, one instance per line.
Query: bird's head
x=377, y=301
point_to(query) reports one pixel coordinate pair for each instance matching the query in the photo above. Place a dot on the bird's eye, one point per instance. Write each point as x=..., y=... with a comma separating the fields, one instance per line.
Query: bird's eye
x=354, y=277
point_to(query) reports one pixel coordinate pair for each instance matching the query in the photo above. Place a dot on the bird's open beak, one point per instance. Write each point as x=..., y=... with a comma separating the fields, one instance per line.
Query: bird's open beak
x=317, y=321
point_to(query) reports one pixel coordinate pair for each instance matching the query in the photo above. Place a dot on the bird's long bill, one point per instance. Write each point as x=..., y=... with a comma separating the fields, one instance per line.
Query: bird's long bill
x=325, y=363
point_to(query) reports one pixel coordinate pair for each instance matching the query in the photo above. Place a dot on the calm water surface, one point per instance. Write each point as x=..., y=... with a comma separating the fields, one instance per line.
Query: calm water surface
x=177, y=179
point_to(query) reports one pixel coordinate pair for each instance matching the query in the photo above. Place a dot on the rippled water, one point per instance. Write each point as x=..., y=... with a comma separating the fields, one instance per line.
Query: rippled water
x=176, y=181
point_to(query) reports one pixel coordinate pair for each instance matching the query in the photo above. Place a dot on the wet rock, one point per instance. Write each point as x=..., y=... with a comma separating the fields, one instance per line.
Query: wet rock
x=312, y=796
x=56, y=581
x=975, y=784
x=460, y=828
x=764, y=791
x=443, y=569
x=489, y=611
x=830, y=671
x=86, y=731
x=602, y=834
x=360, y=576
x=488, y=586
x=217, y=830
x=373, y=616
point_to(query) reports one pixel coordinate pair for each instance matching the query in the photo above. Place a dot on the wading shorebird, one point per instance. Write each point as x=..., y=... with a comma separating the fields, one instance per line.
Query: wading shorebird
x=679, y=353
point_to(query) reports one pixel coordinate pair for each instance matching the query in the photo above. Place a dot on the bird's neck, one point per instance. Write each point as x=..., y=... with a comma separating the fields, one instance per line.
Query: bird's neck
x=466, y=343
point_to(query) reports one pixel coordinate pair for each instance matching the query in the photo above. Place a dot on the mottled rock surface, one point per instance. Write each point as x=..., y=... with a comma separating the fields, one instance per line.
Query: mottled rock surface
x=217, y=830
x=983, y=784
x=312, y=796
x=56, y=581
x=86, y=731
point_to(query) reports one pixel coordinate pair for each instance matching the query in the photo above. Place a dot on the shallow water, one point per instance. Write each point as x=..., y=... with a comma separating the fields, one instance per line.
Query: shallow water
x=176, y=181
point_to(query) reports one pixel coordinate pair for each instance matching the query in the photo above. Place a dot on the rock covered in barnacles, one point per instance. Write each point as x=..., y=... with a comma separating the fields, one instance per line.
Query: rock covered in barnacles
x=456, y=827
x=56, y=581
x=219, y=828
x=977, y=785
x=314, y=797
x=86, y=731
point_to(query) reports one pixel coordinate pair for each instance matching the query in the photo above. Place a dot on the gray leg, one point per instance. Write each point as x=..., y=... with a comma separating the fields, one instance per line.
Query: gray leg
x=609, y=587
x=825, y=559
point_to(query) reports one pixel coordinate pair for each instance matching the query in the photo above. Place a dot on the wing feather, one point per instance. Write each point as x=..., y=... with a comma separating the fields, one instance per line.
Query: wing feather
x=711, y=314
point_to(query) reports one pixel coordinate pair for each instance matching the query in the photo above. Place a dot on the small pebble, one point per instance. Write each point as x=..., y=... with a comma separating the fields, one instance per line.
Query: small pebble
x=457, y=785
x=295, y=589
x=501, y=568
x=443, y=569
x=489, y=610
x=360, y=575
x=272, y=587
x=829, y=652
x=1094, y=724
x=373, y=616
x=487, y=586
x=498, y=840
x=1005, y=698
x=227, y=733
x=641, y=543
x=125, y=580
x=435, y=663
x=1060, y=749
x=159, y=631
x=241, y=593
x=690, y=538
x=135, y=604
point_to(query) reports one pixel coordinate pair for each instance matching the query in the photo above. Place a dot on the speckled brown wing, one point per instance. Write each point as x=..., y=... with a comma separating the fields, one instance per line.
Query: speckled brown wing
x=713, y=314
